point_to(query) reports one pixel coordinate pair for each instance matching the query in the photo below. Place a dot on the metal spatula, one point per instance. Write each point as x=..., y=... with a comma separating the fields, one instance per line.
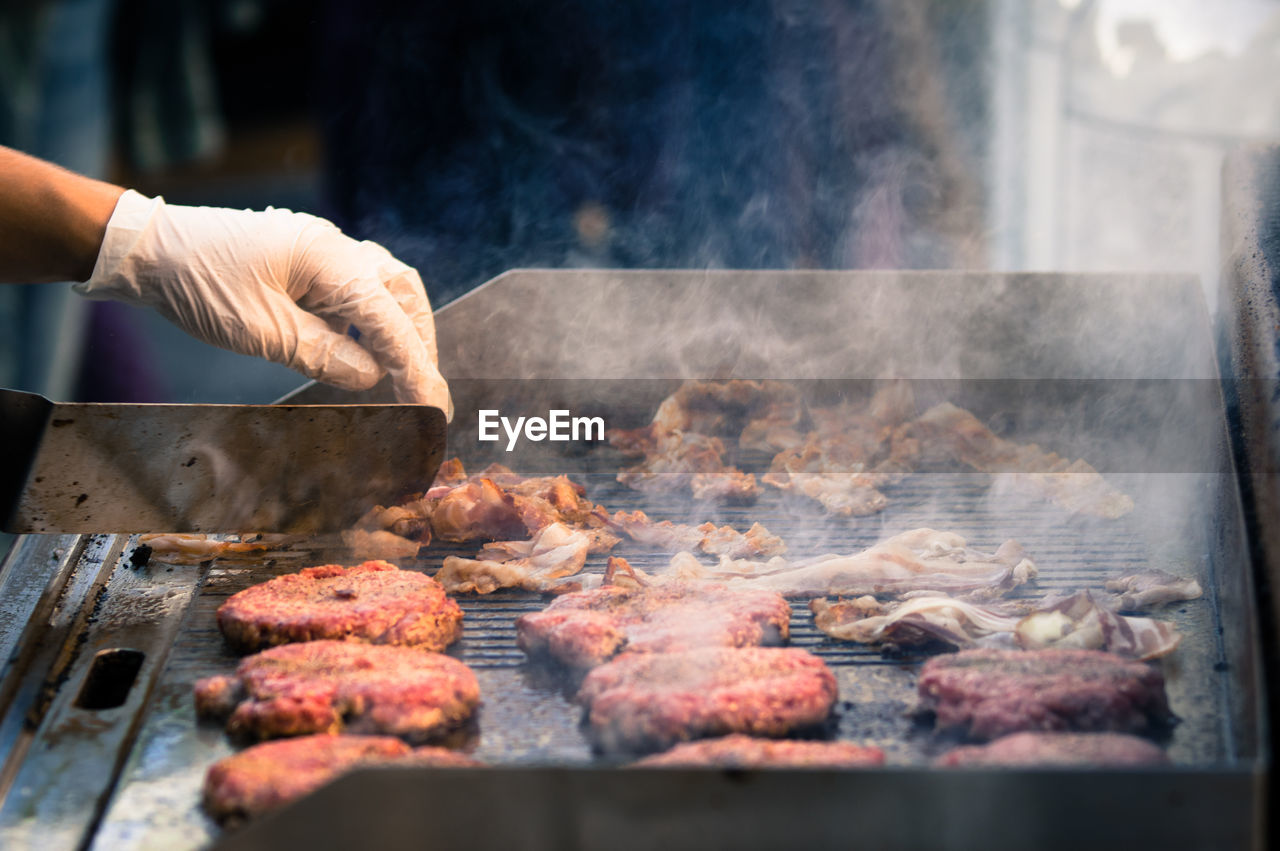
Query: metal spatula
x=300, y=469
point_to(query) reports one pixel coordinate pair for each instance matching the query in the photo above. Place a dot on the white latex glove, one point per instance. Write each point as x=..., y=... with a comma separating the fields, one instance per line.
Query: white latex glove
x=278, y=285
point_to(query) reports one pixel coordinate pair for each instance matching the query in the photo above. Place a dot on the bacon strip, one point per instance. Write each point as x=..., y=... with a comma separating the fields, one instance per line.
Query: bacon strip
x=1077, y=622
x=555, y=552
x=1074, y=485
x=1148, y=590
x=724, y=540
x=919, y=560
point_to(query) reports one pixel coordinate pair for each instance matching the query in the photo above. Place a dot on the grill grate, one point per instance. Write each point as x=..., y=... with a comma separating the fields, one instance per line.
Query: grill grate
x=528, y=717
x=1097, y=550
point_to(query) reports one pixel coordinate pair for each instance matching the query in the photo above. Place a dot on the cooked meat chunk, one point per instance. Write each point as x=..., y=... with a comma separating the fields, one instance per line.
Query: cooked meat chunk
x=1153, y=588
x=835, y=470
x=918, y=560
x=379, y=544
x=374, y=602
x=841, y=494
x=690, y=461
x=990, y=693
x=496, y=504
x=271, y=774
x=404, y=521
x=451, y=473
x=673, y=537
x=556, y=551
x=1077, y=622
x=717, y=409
x=894, y=402
x=729, y=486
x=476, y=511
x=1080, y=622
x=915, y=622
x=193, y=549
x=398, y=531
x=342, y=686
x=849, y=455
x=649, y=701
x=586, y=628
x=950, y=431
x=739, y=751
x=682, y=447
x=1088, y=749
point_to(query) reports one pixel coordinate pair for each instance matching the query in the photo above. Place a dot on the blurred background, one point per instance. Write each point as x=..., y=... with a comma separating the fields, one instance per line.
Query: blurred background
x=1062, y=135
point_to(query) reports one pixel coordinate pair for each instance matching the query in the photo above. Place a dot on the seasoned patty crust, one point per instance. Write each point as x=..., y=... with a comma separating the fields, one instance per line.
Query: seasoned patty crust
x=649, y=701
x=586, y=628
x=1085, y=749
x=739, y=751
x=342, y=686
x=374, y=602
x=271, y=774
x=986, y=694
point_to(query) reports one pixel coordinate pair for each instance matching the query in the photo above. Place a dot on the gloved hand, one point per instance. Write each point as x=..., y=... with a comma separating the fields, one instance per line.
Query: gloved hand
x=275, y=284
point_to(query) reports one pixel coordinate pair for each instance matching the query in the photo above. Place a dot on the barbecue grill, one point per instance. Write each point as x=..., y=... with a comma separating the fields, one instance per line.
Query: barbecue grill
x=104, y=749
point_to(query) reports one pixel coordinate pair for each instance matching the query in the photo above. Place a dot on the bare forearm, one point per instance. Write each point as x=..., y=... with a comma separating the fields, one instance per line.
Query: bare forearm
x=51, y=220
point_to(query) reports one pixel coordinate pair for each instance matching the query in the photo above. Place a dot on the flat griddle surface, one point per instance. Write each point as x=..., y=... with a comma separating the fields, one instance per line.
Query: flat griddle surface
x=528, y=718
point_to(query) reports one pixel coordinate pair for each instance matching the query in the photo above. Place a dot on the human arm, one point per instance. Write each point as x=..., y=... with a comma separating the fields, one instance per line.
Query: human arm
x=52, y=220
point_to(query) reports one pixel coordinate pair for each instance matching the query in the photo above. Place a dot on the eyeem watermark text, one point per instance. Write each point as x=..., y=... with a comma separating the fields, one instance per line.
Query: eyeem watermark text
x=559, y=425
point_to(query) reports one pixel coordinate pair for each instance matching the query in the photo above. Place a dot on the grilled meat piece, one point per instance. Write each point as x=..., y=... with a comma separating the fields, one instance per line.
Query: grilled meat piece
x=687, y=460
x=915, y=622
x=451, y=473
x=649, y=701
x=918, y=560
x=835, y=470
x=375, y=602
x=378, y=544
x=342, y=686
x=271, y=774
x=587, y=628
x=672, y=537
x=401, y=520
x=953, y=432
x=682, y=447
x=474, y=511
x=717, y=409
x=849, y=455
x=729, y=486
x=1077, y=621
x=739, y=751
x=495, y=504
x=193, y=549
x=841, y=494
x=991, y=693
x=1085, y=749
x=1141, y=591
x=554, y=552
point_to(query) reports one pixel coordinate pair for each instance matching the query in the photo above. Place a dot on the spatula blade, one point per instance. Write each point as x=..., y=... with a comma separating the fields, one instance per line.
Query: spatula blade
x=300, y=469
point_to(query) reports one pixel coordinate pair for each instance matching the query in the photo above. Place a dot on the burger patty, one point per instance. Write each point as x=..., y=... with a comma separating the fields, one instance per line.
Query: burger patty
x=337, y=686
x=649, y=701
x=986, y=694
x=1059, y=749
x=375, y=602
x=586, y=628
x=271, y=774
x=739, y=751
